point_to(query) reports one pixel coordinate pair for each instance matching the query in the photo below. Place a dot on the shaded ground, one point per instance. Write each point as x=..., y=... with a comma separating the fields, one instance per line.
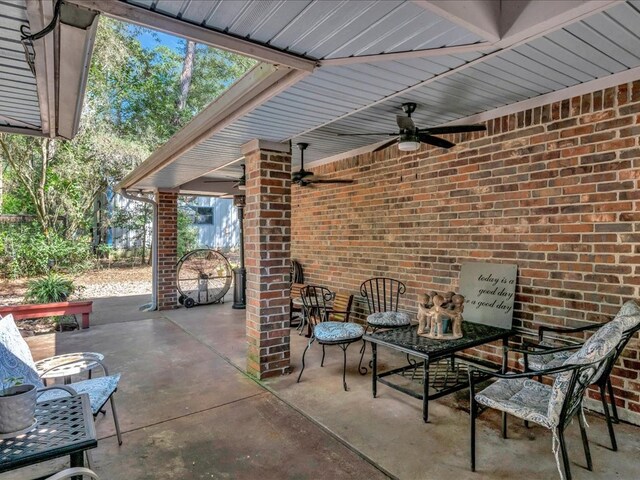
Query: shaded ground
x=188, y=411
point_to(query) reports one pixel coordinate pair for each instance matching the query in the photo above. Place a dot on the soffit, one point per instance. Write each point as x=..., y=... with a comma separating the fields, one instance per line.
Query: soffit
x=366, y=97
x=19, y=105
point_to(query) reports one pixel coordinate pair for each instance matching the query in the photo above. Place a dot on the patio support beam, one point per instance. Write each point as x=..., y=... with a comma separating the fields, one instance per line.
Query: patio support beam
x=147, y=18
x=267, y=239
x=167, y=249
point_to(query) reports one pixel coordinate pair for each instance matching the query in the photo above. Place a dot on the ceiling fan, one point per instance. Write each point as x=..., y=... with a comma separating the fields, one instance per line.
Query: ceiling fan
x=305, y=178
x=239, y=183
x=409, y=137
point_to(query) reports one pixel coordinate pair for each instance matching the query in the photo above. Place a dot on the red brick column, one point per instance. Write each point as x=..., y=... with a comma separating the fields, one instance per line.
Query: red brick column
x=167, y=249
x=267, y=244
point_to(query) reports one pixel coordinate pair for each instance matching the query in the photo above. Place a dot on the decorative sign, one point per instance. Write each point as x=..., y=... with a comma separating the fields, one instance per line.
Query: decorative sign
x=489, y=290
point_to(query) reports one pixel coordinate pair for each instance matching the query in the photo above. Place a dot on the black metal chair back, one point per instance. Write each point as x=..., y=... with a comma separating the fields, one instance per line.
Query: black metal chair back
x=608, y=367
x=382, y=294
x=316, y=303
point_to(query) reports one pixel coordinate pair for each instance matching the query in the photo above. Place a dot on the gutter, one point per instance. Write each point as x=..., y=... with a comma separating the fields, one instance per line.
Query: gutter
x=154, y=246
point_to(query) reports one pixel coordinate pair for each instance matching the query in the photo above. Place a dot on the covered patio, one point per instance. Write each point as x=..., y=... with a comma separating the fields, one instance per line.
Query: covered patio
x=188, y=410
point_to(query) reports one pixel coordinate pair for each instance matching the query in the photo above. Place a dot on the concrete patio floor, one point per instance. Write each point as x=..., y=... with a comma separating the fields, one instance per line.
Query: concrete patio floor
x=187, y=410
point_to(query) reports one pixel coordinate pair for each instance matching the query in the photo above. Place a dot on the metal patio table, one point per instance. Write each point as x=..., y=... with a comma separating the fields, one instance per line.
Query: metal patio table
x=442, y=356
x=65, y=427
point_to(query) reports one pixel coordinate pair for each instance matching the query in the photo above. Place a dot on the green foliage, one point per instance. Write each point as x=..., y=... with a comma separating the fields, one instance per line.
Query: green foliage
x=50, y=289
x=187, y=233
x=9, y=382
x=26, y=251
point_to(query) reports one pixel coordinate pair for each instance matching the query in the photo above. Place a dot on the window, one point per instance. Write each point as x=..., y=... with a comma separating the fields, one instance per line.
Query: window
x=203, y=215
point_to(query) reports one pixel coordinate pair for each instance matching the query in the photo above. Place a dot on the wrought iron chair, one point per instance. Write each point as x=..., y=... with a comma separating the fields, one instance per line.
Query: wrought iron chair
x=326, y=332
x=295, y=293
x=553, y=406
x=16, y=361
x=382, y=295
x=629, y=316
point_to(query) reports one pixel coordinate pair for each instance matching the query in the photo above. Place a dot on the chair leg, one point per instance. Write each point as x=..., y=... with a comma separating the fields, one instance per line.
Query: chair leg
x=303, y=354
x=607, y=416
x=361, y=369
x=344, y=366
x=565, y=456
x=473, y=410
x=504, y=425
x=585, y=441
x=322, y=361
x=115, y=420
x=612, y=400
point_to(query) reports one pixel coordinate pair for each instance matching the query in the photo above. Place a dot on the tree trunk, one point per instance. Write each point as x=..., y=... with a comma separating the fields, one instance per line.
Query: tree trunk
x=185, y=81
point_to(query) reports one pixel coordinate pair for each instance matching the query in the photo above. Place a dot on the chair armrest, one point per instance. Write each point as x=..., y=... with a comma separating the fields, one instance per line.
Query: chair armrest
x=543, y=328
x=82, y=358
x=66, y=388
x=74, y=472
x=474, y=372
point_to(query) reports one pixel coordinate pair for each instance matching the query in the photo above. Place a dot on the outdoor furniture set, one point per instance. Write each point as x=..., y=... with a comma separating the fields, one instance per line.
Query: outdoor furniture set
x=572, y=365
x=63, y=423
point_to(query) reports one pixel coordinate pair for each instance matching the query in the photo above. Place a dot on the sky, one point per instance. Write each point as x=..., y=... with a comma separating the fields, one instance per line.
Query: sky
x=149, y=39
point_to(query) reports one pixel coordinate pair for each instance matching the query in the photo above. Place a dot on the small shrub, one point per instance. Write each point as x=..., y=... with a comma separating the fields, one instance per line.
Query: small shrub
x=50, y=289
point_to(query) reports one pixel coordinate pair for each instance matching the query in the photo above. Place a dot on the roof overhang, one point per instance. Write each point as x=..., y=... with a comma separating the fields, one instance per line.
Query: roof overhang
x=51, y=99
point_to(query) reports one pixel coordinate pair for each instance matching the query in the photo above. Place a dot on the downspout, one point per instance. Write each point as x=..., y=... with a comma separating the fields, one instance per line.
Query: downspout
x=154, y=245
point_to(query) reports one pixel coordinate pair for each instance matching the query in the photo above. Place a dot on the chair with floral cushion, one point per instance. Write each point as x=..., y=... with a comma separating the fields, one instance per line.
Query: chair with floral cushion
x=552, y=406
x=532, y=359
x=16, y=361
x=328, y=332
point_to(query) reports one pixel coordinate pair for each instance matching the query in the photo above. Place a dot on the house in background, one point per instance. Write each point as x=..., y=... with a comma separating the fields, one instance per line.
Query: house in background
x=125, y=225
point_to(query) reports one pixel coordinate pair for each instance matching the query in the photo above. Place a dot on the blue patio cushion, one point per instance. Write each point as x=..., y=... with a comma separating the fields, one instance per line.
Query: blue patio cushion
x=523, y=398
x=15, y=357
x=388, y=319
x=99, y=390
x=337, y=331
x=16, y=361
x=629, y=315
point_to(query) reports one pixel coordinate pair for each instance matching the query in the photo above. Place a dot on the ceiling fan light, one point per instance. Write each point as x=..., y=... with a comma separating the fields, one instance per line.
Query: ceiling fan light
x=242, y=186
x=408, y=145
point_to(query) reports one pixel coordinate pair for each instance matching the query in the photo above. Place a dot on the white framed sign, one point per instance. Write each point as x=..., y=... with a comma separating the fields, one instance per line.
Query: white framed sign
x=489, y=291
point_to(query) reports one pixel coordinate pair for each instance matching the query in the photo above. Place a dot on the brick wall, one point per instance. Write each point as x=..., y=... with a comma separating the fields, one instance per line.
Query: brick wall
x=554, y=190
x=267, y=232
x=167, y=249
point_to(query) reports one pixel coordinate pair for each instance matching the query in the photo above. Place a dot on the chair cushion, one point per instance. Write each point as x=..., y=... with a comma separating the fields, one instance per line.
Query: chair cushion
x=99, y=390
x=388, y=319
x=523, y=398
x=595, y=349
x=546, y=360
x=15, y=357
x=337, y=331
x=629, y=315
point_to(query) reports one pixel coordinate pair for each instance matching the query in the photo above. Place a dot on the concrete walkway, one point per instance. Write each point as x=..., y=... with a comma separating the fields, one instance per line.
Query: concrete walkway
x=188, y=411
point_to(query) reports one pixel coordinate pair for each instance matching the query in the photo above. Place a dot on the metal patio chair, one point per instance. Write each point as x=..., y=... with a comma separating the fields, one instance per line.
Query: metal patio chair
x=553, y=406
x=327, y=332
x=16, y=362
x=629, y=316
x=75, y=472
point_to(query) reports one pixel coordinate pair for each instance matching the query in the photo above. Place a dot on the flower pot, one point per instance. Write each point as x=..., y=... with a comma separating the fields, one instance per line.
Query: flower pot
x=17, y=408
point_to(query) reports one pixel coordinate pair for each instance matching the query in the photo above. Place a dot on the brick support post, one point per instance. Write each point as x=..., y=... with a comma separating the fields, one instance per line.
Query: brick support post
x=267, y=256
x=167, y=249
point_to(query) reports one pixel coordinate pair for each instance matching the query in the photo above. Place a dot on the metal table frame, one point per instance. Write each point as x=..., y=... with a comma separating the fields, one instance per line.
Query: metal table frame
x=71, y=414
x=447, y=351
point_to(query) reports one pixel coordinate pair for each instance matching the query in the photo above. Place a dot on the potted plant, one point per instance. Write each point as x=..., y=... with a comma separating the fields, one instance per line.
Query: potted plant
x=17, y=405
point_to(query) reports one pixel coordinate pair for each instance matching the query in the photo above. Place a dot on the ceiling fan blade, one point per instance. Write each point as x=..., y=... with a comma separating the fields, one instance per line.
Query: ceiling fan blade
x=220, y=181
x=454, y=129
x=386, y=144
x=405, y=123
x=437, y=141
x=328, y=180
x=362, y=134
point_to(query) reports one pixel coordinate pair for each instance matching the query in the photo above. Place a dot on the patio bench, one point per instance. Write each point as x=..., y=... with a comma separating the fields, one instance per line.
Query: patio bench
x=22, y=312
